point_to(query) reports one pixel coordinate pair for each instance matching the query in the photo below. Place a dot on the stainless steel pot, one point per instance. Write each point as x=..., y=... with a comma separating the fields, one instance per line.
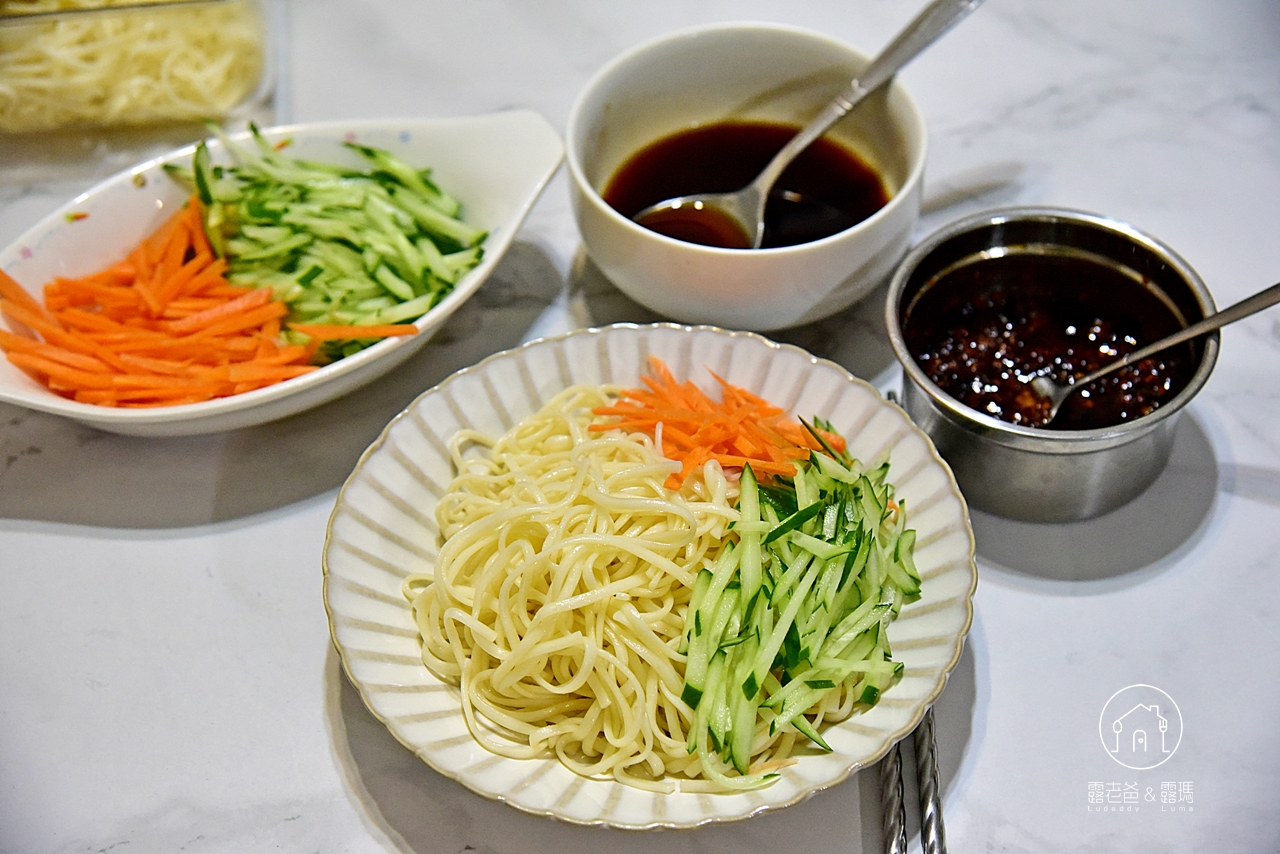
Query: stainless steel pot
x=1037, y=474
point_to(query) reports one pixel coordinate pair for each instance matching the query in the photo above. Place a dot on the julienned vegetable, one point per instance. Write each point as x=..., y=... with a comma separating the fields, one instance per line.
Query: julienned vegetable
x=789, y=623
x=159, y=328
x=339, y=246
x=797, y=610
x=741, y=428
x=274, y=265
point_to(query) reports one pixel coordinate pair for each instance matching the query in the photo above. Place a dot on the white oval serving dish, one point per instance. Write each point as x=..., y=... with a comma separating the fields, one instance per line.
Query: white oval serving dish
x=496, y=164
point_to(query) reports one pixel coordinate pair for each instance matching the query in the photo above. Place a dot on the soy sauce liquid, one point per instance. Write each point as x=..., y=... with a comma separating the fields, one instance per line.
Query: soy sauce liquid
x=825, y=190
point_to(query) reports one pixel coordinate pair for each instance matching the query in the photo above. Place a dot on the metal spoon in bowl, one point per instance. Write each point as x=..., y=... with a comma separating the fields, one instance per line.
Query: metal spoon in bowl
x=745, y=207
x=1056, y=394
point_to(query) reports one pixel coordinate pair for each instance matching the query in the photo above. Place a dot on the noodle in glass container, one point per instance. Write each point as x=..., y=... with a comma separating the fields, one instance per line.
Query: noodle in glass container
x=106, y=63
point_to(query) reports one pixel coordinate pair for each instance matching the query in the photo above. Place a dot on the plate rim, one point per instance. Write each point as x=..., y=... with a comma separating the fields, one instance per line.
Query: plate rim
x=970, y=564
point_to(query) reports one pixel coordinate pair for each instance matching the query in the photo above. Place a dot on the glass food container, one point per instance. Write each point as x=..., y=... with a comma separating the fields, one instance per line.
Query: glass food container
x=129, y=63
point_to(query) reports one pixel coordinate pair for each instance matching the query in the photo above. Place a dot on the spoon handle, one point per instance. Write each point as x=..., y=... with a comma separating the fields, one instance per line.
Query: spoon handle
x=1239, y=311
x=934, y=20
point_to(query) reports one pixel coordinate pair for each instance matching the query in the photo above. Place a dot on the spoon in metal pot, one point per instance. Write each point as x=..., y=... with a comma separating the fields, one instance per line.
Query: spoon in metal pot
x=745, y=207
x=1056, y=394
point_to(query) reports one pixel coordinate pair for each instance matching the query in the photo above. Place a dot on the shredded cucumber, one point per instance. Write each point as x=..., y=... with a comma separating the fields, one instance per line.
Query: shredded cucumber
x=796, y=608
x=338, y=245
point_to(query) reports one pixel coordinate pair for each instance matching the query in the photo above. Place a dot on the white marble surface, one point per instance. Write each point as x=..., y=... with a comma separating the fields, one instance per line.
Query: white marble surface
x=166, y=677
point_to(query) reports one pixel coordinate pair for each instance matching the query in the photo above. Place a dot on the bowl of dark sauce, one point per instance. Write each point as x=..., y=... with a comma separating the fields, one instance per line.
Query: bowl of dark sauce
x=703, y=110
x=987, y=303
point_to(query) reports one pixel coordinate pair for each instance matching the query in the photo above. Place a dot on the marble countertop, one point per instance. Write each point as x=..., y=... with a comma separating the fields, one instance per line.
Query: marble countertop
x=167, y=681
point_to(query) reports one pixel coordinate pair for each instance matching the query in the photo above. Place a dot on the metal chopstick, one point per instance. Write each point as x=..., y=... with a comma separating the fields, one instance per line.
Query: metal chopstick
x=892, y=808
x=933, y=836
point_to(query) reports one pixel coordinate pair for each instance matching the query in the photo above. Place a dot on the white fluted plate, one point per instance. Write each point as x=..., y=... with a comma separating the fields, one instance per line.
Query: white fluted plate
x=383, y=529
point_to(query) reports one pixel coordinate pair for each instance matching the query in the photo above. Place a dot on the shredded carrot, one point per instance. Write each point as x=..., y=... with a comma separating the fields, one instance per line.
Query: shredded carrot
x=230, y=308
x=741, y=429
x=326, y=332
x=160, y=328
x=13, y=294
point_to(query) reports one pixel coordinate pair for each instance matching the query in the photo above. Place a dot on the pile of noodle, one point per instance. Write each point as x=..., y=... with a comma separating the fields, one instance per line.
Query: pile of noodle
x=558, y=600
x=176, y=62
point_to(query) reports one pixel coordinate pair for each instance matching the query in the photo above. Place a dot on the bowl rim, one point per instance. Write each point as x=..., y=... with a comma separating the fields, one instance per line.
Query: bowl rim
x=573, y=155
x=1038, y=438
